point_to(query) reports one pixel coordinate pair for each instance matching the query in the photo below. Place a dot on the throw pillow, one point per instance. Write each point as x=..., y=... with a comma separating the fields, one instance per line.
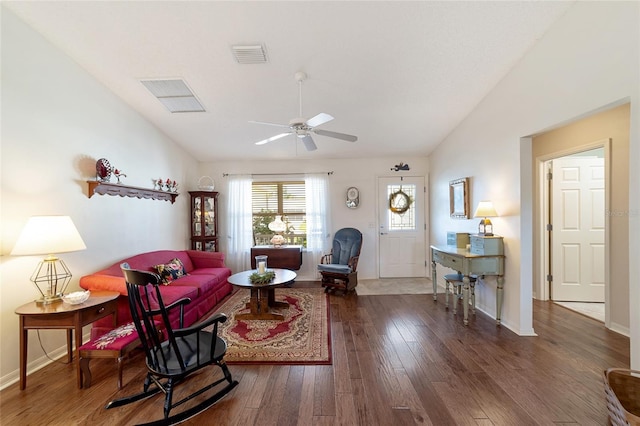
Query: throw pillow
x=171, y=271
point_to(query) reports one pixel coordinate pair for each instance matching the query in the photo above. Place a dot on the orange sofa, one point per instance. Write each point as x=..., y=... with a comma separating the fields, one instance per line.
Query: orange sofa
x=205, y=284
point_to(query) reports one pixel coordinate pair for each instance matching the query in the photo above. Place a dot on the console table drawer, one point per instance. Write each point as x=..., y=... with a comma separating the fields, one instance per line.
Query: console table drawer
x=447, y=260
x=487, y=266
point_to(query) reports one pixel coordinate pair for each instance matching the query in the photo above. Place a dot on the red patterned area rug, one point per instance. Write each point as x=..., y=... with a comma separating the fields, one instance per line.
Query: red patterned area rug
x=303, y=337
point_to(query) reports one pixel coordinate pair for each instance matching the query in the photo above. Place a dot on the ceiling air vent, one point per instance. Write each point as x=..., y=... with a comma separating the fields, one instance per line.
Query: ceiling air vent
x=249, y=54
x=174, y=94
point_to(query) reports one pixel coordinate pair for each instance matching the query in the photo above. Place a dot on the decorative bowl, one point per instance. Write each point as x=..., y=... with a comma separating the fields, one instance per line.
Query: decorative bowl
x=76, y=297
x=205, y=183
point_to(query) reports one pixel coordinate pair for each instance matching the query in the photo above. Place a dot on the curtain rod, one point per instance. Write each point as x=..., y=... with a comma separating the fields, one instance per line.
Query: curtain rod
x=278, y=174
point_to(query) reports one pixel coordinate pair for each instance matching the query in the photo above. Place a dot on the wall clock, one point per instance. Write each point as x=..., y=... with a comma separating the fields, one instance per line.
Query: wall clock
x=353, y=197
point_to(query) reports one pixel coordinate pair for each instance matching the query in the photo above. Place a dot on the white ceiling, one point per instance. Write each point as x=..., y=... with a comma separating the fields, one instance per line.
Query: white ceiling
x=399, y=75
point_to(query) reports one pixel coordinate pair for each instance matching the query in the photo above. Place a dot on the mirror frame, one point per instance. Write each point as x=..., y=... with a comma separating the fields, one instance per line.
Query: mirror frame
x=459, y=198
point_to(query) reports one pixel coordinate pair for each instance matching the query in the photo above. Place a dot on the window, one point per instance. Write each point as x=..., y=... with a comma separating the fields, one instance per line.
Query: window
x=279, y=198
x=406, y=220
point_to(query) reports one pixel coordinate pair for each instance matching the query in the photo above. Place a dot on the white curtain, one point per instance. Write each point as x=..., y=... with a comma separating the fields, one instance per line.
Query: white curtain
x=318, y=210
x=240, y=225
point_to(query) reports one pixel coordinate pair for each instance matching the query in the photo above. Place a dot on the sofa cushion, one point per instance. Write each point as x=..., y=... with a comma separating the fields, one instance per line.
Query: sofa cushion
x=203, y=283
x=171, y=271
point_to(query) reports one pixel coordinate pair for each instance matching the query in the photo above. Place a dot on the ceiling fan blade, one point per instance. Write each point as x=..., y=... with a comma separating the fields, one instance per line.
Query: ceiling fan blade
x=270, y=124
x=318, y=120
x=336, y=135
x=273, y=138
x=309, y=143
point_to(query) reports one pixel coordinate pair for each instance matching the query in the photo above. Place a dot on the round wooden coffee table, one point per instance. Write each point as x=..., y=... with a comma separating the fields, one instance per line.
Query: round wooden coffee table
x=262, y=295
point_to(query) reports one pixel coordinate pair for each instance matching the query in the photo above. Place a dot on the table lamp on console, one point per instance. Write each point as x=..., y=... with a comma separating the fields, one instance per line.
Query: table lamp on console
x=278, y=226
x=49, y=235
x=485, y=210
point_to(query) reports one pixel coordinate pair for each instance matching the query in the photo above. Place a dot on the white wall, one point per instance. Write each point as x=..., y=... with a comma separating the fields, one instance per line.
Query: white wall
x=361, y=173
x=56, y=122
x=589, y=59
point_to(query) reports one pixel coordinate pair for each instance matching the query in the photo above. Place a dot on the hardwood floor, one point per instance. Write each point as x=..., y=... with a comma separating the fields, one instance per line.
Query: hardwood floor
x=398, y=360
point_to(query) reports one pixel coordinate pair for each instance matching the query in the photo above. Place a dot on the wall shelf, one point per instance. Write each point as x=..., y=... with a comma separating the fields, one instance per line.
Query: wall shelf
x=106, y=188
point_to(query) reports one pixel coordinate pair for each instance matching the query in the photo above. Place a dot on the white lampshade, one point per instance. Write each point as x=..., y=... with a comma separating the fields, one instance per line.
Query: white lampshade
x=48, y=235
x=278, y=225
x=485, y=209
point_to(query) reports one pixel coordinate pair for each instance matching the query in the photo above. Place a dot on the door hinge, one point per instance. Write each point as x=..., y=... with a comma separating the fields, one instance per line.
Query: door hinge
x=549, y=277
x=549, y=227
x=549, y=175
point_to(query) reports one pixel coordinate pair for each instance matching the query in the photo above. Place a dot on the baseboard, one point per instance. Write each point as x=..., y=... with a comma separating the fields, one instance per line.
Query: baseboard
x=37, y=364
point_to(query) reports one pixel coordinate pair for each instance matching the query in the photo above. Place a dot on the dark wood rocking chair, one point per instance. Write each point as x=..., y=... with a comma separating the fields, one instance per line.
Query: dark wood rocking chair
x=339, y=269
x=172, y=354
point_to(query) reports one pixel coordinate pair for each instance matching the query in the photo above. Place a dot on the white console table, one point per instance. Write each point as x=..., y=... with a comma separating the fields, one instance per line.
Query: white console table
x=467, y=263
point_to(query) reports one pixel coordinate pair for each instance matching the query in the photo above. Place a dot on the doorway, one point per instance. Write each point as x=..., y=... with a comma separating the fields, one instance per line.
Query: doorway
x=401, y=222
x=575, y=223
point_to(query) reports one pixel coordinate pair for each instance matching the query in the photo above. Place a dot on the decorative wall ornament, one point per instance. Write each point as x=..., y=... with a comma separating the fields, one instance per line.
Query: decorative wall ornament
x=399, y=202
x=400, y=166
x=353, y=197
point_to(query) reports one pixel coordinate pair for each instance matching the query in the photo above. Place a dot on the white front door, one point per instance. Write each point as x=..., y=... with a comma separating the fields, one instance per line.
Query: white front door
x=578, y=235
x=401, y=226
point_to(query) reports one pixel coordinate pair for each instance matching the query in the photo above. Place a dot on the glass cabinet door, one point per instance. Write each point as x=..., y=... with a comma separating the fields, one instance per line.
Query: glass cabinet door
x=204, y=225
x=209, y=217
x=196, y=219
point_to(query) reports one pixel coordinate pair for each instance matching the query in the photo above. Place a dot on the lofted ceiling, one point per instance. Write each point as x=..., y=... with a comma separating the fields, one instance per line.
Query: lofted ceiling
x=399, y=75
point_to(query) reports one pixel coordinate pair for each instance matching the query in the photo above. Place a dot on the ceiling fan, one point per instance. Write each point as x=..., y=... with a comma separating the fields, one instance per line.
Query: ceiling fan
x=302, y=127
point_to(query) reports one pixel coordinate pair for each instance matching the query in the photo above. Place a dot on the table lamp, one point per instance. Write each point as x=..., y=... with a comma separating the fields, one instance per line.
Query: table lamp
x=278, y=226
x=49, y=235
x=485, y=210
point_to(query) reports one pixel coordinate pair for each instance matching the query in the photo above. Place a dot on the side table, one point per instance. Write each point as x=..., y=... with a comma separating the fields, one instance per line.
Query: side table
x=60, y=315
x=262, y=297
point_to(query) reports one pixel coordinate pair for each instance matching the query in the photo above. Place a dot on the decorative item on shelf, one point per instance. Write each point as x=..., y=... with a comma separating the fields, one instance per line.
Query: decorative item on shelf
x=157, y=184
x=400, y=166
x=103, y=170
x=265, y=278
x=168, y=184
x=205, y=183
x=261, y=264
x=399, y=202
x=485, y=210
x=49, y=235
x=117, y=173
x=278, y=226
x=353, y=197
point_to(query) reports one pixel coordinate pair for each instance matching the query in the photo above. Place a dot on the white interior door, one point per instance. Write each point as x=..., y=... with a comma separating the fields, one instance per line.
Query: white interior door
x=578, y=236
x=401, y=233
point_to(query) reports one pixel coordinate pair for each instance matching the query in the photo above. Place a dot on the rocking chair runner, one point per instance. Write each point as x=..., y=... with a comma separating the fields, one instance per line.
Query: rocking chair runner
x=172, y=354
x=339, y=268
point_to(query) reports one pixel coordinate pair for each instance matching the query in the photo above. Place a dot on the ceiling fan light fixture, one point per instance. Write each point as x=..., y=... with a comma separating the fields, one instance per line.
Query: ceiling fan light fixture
x=249, y=54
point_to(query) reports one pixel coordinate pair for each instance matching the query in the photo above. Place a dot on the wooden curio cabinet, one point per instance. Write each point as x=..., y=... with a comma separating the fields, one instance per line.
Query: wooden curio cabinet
x=204, y=220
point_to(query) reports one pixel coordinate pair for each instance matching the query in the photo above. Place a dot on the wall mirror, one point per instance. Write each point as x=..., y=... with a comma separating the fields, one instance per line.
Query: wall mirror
x=459, y=198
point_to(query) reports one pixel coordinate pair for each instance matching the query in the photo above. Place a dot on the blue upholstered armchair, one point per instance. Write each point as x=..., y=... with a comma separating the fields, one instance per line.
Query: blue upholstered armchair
x=339, y=268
